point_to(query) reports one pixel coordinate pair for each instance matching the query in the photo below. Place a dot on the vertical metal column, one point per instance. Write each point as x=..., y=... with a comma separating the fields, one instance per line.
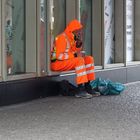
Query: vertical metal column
x=78, y=9
x=71, y=11
x=38, y=37
x=30, y=31
x=119, y=31
x=97, y=32
x=41, y=69
x=137, y=30
x=125, y=54
x=48, y=25
x=0, y=42
x=103, y=34
x=4, y=70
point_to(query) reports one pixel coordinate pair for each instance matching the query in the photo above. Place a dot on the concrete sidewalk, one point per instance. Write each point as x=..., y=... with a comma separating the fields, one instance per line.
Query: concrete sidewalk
x=69, y=118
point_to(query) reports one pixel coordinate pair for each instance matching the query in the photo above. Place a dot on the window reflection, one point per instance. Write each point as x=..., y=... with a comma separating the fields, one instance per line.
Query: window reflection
x=86, y=19
x=15, y=36
x=59, y=16
x=109, y=31
x=129, y=30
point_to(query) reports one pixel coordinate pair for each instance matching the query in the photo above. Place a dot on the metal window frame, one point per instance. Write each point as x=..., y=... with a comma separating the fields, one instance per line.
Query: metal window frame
x=38, y=38
x=102, y=35
x=48, y=35
x=117, y=32
x=0, y=45
x=134, y=62
x=97, y=31
x=127, y=63
x=124, y=30
x=48, y=6
x=123, y=63
x=31, y=36
x=6, y=77
x=103, y=65
x=3, y=50
x=78, y=9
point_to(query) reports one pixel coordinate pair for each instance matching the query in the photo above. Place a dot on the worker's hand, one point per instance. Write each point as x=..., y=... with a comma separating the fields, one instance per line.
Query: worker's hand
x=75, y=54
x=78, y=43
x=77, y=38
x=81, y=54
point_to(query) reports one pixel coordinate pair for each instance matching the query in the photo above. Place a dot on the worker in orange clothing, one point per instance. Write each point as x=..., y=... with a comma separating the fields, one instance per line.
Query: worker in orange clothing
x=65, y=56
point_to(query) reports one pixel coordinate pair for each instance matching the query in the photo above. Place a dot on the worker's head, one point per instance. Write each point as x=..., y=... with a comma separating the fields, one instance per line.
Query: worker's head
x=74, y=28
x=78, y=37
x=77, y=34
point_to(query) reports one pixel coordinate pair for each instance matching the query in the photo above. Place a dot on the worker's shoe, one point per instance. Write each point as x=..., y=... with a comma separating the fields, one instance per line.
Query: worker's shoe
x=91, y=91
x=82, y=93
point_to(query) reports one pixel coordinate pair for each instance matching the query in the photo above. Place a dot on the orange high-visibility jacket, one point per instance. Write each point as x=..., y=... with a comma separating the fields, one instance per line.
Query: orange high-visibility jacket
x=63, y=55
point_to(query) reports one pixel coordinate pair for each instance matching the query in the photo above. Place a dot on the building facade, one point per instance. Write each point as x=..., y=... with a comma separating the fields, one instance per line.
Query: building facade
x=28, y=28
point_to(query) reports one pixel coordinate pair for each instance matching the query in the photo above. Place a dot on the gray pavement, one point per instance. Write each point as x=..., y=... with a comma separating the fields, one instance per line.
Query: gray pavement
x=69, y=118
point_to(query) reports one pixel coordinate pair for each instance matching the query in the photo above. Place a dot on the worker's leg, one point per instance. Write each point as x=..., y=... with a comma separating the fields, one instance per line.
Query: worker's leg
x=89, y=64
x=76, y=63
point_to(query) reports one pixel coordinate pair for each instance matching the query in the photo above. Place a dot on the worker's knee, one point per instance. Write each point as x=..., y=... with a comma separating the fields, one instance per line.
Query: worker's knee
x=79, y=60
x=89, y=59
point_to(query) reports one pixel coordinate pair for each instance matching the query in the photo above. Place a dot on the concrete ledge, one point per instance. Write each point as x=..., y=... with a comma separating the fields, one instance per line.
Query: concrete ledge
x=17, y=91
x=13, y=92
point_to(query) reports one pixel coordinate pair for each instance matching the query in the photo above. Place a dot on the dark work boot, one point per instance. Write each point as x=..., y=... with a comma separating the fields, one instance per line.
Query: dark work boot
x=82, y=93
x=90, y=90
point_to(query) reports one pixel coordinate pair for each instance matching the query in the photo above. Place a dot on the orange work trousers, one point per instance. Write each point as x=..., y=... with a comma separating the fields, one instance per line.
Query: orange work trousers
x=83, y=66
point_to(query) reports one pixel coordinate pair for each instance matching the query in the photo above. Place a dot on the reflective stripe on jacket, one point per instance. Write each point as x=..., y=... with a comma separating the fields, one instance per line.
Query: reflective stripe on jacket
x=61, y=49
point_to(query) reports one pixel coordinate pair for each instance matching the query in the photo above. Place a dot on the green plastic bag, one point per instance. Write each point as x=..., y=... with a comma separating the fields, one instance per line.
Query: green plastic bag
x=115, y=88
x=103, y=86
x=94, y=83
x=107, y=87
x=100, y=85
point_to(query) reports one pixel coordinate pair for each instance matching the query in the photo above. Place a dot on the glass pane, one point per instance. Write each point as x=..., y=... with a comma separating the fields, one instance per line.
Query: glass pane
x=15, y=36
x=59, y=16
x=86, y=17
x=42, y=10
x=129, y=30
x=109, y=31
